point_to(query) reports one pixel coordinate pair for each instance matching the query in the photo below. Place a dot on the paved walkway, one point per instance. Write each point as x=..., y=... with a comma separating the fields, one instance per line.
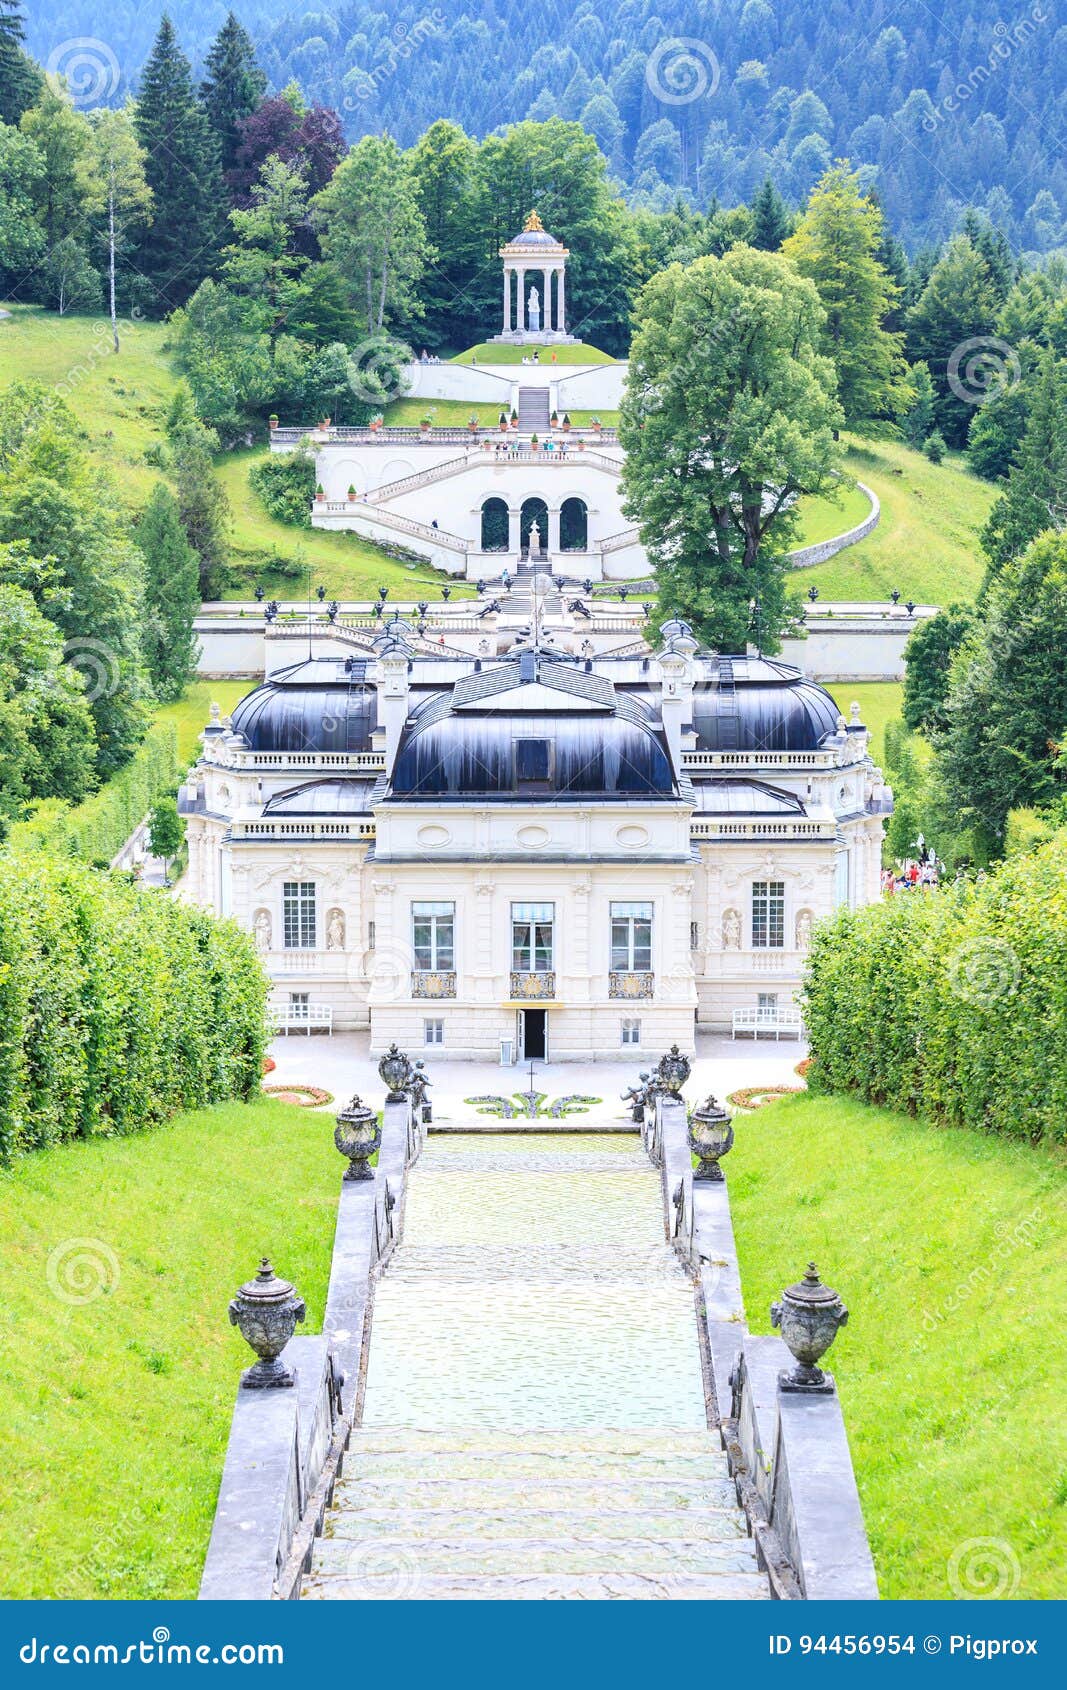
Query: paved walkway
x=534, y=1422
x=341, y=1065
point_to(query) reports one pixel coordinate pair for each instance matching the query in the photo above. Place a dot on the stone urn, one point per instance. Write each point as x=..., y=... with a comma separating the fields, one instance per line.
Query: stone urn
x=267, y=1310
x=809, y=1316
x=395, y=1070
x=711, y=1135
x=357, y=1135
x=673, y=1071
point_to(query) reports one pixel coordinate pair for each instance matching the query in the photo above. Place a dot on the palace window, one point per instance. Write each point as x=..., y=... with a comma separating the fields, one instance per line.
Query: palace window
x=766, y=1002
x=433, y=1032
x=298, y=915
x=433, y=935
x=532, y=763
x=531, y=938
x=299, y=1006
x=768, y=914
x=631, y=1032
x=631, y=938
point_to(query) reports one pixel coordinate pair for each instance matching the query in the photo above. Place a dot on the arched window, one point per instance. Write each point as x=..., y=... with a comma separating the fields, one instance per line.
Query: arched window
x=573, y=526
x=533, y=510
x=494, y=526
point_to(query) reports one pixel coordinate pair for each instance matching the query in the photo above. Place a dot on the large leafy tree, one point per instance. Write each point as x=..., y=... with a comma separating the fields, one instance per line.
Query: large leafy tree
x=836, y=243
x=181, y=245
x=233, y=87
x=1007, y=704
x=729, y=415
x=48, y=747
x=22, y=240
x=370, y=227
x=931, y=648
x=1036, y=494
x=171, y=595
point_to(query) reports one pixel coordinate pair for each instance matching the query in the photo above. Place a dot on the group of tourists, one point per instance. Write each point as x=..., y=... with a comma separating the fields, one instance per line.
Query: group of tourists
x=922, y=871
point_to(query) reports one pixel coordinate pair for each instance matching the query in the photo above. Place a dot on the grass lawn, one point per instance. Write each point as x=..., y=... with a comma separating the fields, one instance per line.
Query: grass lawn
x=879, y=702
x=951, y=1368
x=821, y=519
x=117, y=1410
x=348, y=566
x=490, y=352
x=120, y=401
x=190, y=713
x=927, y=540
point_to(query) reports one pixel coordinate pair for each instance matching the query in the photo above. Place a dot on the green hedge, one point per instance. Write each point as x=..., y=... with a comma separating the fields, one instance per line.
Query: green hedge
x=97, y=829
x=951, y=1004
x=118, y=1006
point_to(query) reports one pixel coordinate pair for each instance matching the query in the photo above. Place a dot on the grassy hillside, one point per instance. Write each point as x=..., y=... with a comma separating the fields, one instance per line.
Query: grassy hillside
x=926, y=543
x=489, y=352
x=821, y=519
x=879, y=702
x=940, y=1244
x=119, y=1377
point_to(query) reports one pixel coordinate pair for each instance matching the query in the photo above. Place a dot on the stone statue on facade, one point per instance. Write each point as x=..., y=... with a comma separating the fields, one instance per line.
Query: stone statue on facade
x=335, y=931
x=261, y=928
x=731, y=931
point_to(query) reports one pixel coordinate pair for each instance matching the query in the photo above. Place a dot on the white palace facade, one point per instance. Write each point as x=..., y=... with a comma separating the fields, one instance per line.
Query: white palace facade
x=540, y=844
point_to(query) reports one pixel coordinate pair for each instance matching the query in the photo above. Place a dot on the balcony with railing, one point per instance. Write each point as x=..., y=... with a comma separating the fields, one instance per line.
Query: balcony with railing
x=532, y=987
x=631, y=983
x=433, y=983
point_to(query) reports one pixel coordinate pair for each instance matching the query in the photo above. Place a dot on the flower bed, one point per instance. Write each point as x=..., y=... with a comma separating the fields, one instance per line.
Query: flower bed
x=305, y=1097
x=754, y=1097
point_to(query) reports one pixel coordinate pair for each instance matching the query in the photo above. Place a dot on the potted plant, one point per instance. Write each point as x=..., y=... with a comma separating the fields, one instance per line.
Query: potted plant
x=351, y=494
x=272, y=421
x=596, y=424
x=424, y=424
x=514, y=419
x=566, y=422
x=535, y=444
x=581, y=444
x=320, y=492
x=472, y=422
x=376, y=423
x=325, y=423
x=554, y=419
x=503, y=422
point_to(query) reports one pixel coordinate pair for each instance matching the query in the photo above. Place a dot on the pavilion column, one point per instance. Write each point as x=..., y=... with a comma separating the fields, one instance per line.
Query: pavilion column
x=561, y=320
x=514, y=531
x=520, y=323
x=553, y=530
x=507, y=300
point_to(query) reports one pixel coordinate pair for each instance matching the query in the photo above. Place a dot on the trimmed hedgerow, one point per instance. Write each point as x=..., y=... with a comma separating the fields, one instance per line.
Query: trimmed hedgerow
x=97, y=829
x=951, y=1004
x=118, y=1006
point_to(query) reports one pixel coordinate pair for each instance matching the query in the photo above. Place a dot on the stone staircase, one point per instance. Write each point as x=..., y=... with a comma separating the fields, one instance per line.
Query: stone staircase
x=534, y=1421
x=534, y=410
x=457, y=1515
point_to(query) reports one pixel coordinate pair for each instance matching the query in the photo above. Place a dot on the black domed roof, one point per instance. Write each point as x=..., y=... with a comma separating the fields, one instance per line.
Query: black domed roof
x=535, y=237
x=318, y=706
x=761, y=704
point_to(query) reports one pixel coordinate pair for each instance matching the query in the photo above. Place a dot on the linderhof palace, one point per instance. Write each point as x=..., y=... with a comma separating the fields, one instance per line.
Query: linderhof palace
x=506, y=828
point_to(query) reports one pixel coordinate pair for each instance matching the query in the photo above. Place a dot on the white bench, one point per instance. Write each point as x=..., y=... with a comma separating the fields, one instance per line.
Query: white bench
x=304, y=1017
x=776, y=1021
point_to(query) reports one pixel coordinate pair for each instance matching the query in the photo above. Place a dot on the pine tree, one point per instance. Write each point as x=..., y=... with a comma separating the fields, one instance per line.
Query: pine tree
x=182, y=170
x=233, y=87
x=835, y=243
x=202, y=501
x=918, y=419
x=770, y=219
x=1035, y=498
x=952, y=321
x=171, y=595
x=21, y=82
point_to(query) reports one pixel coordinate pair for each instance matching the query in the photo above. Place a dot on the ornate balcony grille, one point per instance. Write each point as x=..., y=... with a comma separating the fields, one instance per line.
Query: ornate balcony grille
x=631, y=985
x=433, y=983
x=533, y=986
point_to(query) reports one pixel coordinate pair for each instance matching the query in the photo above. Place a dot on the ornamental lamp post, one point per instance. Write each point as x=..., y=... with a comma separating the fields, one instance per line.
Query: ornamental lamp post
x=711, y=1135
x=266, y=1310
x=809, y=1315
x=357, y=1135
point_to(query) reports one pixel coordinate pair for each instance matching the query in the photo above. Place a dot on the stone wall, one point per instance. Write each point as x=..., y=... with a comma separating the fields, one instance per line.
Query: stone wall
x=806, y=556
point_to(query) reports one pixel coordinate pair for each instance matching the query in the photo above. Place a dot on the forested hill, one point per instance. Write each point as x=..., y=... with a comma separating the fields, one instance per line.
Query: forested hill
x=962, y=103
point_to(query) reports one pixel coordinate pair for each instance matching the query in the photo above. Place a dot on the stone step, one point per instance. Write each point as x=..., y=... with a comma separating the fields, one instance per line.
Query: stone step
x=667, y=1469
x=513, y=1520
x=358, y=1558
x=381, y=1440
x=624, y=1587
x=359, y=1491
